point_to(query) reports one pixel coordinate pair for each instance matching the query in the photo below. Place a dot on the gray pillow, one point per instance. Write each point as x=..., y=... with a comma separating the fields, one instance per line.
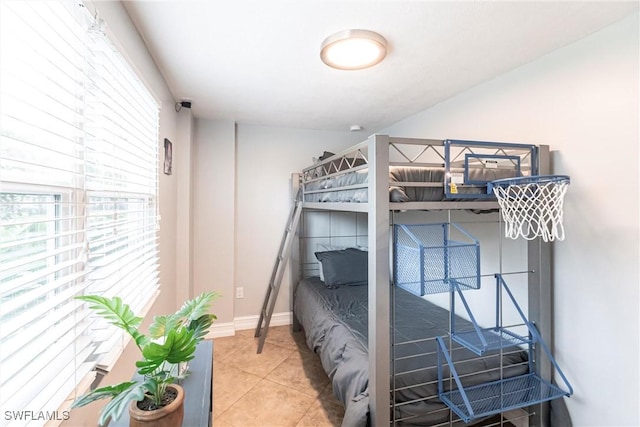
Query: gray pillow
x=344, y=267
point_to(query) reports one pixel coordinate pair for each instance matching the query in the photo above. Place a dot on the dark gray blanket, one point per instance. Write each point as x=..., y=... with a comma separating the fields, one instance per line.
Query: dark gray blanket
x=335, y=323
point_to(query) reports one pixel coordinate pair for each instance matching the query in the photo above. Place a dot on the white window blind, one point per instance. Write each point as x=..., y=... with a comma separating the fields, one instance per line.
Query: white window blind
x=78, y=198
x=121, y=182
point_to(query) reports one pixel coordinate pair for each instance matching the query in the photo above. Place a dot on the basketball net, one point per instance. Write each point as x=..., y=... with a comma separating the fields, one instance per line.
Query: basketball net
x=532, y=206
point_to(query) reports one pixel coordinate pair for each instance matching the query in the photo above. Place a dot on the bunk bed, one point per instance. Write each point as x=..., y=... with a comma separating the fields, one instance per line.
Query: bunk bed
x=378, y=177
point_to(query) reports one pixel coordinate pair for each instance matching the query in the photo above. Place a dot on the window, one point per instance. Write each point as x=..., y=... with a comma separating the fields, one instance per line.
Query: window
x=78, y=199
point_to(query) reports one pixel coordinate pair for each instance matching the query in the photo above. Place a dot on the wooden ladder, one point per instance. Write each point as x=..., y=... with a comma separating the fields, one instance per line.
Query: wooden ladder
x=284, y=253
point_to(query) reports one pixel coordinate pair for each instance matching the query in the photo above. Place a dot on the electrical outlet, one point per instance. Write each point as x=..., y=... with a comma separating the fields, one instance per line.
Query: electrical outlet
x=240, y=292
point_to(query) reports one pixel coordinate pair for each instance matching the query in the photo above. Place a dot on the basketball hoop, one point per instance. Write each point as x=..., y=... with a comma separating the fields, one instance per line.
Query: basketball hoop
x=532, y=206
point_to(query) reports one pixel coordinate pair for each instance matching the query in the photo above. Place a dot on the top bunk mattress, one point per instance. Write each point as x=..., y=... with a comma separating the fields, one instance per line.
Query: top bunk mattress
x=335, y=323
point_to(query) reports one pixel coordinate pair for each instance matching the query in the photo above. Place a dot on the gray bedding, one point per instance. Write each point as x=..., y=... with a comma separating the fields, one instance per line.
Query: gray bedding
x=396, y=193
x=335, y=324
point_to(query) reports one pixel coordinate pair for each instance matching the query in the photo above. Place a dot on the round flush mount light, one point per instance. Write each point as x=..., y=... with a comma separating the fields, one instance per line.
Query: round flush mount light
x=353, y=49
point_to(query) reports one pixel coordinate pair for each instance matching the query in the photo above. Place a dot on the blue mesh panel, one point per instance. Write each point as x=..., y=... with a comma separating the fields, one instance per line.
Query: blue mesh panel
x=426, y=260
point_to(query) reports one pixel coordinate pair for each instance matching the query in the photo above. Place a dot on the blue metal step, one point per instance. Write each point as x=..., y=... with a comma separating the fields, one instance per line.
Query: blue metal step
x=483, y=340
x=502, y=395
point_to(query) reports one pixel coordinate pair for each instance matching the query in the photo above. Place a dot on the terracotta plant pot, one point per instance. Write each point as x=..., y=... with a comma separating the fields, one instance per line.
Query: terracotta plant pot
x=167, y=416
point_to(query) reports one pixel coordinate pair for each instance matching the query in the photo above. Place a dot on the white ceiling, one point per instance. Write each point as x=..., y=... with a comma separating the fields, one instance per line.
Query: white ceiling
x=258, y=62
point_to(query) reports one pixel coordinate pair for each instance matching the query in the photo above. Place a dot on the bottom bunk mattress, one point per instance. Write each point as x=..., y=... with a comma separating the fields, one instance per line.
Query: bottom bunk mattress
x=335, y=324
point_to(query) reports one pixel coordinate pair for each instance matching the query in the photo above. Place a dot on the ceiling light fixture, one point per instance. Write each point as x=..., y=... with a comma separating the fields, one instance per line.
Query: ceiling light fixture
x=353, y=49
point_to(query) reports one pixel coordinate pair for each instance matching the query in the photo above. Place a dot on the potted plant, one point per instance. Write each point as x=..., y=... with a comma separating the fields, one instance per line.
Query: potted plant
x=171, y=341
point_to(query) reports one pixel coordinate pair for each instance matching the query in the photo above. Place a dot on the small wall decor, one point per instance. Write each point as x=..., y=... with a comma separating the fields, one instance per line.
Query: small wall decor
x=168, y=157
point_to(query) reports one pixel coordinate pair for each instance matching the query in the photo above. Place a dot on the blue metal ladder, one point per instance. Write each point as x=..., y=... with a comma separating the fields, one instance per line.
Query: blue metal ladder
x=494, y=397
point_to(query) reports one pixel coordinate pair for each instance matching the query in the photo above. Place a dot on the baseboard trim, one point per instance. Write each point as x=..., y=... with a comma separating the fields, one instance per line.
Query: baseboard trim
x=218, y=330
x=228, y=329
x=251, y=322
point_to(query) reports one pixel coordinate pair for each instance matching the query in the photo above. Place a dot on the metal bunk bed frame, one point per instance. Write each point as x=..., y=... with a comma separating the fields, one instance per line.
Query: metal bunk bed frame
x=379, y=216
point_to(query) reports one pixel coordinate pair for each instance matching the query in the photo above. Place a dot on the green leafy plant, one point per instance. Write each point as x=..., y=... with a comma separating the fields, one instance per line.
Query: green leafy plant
x=172, y=339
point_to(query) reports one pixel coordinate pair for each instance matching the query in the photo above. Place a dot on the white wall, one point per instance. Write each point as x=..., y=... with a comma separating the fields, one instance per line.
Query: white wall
x=582, y=100
x=182, y=173
x=237, y=220
x=214, y=212
x=262, y=205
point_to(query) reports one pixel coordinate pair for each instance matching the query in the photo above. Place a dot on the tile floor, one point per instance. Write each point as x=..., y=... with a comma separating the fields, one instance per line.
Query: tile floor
x=283, y=386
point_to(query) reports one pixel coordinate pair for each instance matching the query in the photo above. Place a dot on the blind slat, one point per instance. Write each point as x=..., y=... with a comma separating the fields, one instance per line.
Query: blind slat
x=15, y=342
x=37, y=293
x=54, y=307
x=35, y=277
x=24, y=386
x=10, y=246
x=17, y=363
x=40, y=256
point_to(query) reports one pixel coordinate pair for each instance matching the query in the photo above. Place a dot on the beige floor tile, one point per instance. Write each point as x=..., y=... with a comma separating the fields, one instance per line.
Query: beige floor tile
x=322, y=414
x=302, y=372
x=229, y=385
x=246, y=333
x=296, y=391
x=279, y=335
x=244, y=357
x=225, y=346
x=268, y=404
x=285, y=337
